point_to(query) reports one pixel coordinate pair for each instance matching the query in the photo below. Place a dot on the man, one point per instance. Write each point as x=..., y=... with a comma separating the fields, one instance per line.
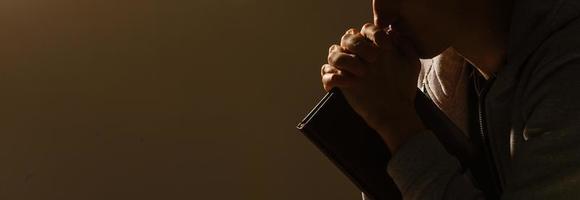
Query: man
x=528, y=53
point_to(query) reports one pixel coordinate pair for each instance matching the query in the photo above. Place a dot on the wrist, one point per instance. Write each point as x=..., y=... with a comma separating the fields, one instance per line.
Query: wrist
x=397, y=130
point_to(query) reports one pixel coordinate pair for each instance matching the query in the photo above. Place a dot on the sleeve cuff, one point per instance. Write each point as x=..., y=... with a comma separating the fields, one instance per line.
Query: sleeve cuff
x=420, y=160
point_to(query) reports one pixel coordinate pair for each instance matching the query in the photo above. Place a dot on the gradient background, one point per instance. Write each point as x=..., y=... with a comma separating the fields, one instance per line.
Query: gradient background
x=166, y=99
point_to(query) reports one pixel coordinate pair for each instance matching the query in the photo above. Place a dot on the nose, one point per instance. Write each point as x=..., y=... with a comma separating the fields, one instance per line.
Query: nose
x=385, y=12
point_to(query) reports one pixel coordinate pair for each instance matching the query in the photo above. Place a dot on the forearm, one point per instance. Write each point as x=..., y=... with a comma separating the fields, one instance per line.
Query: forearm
x=422, y=169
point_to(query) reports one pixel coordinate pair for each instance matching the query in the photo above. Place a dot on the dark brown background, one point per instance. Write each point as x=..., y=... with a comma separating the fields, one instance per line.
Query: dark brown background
x=167, y=99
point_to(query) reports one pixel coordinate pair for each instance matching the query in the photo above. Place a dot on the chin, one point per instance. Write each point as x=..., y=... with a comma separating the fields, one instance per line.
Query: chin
x=428, y=53
x=428, y=48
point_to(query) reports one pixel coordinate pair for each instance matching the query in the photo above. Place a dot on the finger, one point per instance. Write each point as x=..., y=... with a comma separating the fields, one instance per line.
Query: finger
x=326, y=68
x=376, y=34
x=334, y=47
x=338, y=79
x=348, y=34
x=347, y=62
x=361, y=46
x=351, y=31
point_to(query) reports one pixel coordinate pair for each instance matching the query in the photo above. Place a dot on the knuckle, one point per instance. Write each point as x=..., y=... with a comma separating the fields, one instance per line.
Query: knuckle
x=351, y=31
x=341, y=60
x=344, y=38
x=352, y=43
x=333, y=48
x=332, y=57
x=326, y=68
x=327, y=80
x=368, y=26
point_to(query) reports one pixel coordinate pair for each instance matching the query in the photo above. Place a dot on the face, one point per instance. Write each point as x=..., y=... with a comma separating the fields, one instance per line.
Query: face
x=431, y=25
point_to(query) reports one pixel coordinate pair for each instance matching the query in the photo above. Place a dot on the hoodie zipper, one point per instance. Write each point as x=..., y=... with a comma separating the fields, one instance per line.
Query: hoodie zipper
x=492, y=165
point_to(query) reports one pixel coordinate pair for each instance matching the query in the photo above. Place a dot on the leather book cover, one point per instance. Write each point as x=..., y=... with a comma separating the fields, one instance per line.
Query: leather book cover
x=359, y=151
x=344, y=137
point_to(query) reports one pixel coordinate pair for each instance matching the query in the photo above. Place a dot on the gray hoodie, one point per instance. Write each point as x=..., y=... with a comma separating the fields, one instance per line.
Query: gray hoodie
x=532, y=116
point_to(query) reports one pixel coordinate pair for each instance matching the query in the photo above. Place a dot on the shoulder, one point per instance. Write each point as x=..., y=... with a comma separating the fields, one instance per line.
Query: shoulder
x=551, y=79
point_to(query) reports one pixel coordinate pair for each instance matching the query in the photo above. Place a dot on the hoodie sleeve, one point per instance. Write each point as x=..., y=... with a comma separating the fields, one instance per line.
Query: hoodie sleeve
x=422, y=169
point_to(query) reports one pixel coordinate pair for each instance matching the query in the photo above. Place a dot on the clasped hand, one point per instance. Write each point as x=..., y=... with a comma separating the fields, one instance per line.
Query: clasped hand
x=376, y=70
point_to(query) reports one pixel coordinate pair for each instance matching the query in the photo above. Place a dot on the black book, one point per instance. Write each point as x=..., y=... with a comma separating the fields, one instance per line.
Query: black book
x=358, y=150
